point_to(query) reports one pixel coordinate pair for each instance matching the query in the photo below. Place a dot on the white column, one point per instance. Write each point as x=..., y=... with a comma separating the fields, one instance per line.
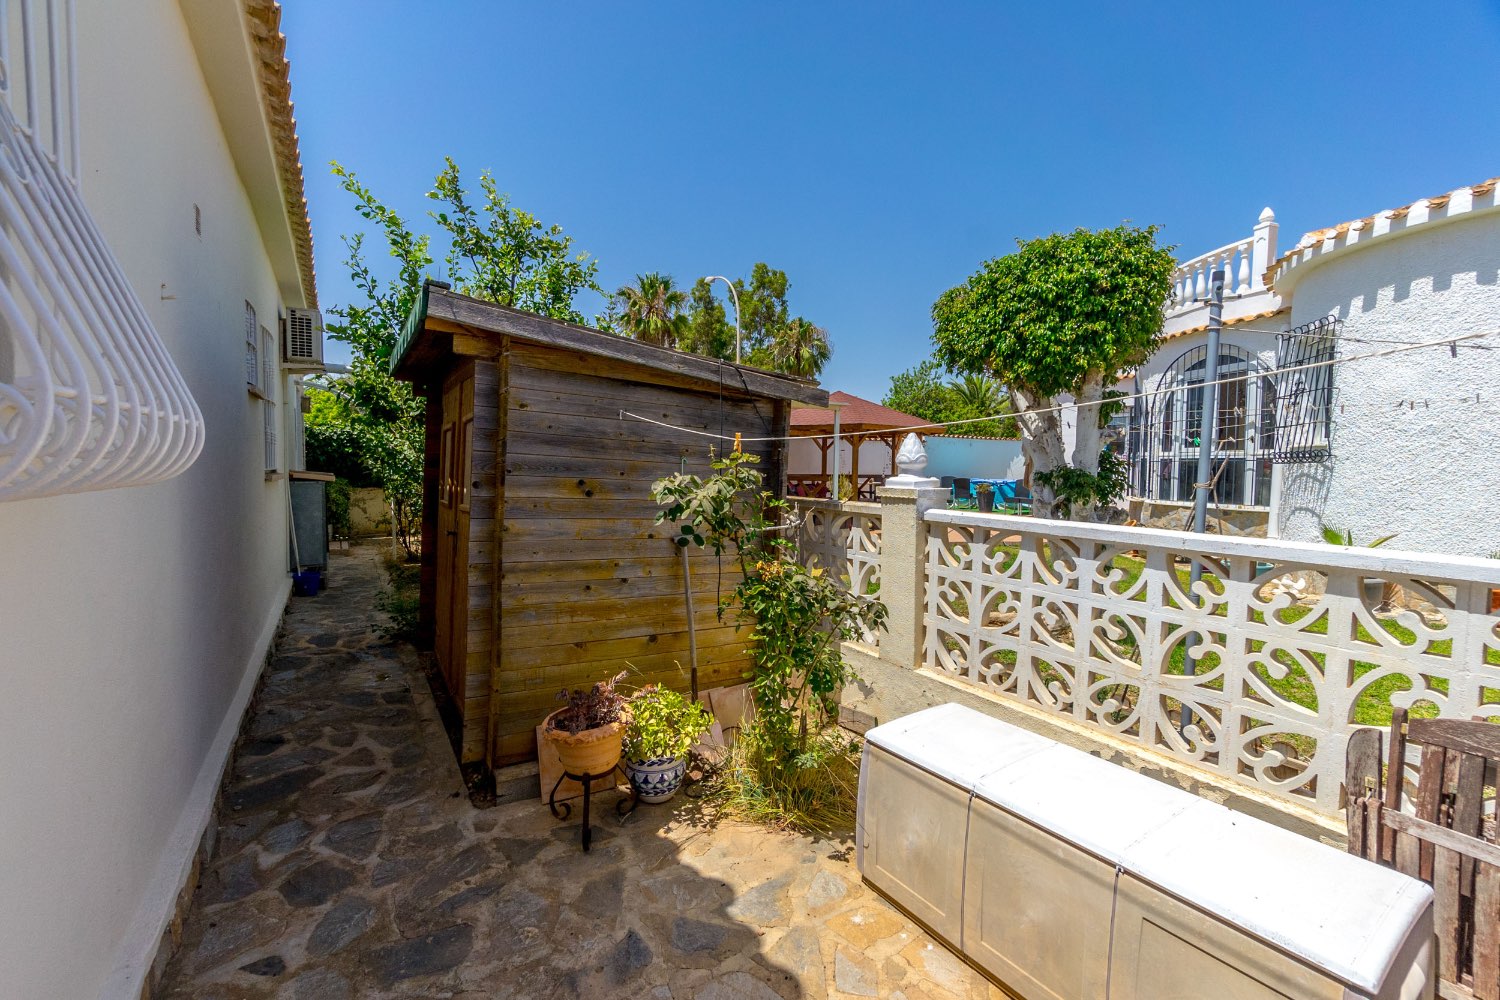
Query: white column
x=1265, y=247
x=903, y=558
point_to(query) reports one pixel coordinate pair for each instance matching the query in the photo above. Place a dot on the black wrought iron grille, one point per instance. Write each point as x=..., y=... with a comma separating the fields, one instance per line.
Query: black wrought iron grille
x=1167, y=427
x=1305, y=392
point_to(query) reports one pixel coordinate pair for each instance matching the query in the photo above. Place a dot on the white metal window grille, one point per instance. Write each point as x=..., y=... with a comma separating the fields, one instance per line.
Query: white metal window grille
x=298, y=457
x=267, y=363
x=1164, y=462
x=89, y=397
x=252, y=349
x=268, y=410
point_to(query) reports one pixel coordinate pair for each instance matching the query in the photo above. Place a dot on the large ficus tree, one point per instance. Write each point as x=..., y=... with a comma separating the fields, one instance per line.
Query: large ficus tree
x=1065, y=315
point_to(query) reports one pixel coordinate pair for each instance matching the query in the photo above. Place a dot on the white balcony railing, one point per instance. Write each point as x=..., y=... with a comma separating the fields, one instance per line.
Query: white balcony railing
x=1244, y=262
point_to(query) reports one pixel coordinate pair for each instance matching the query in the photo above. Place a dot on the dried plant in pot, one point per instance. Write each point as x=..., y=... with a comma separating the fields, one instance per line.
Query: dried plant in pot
x=587, y=731
x=660, y=729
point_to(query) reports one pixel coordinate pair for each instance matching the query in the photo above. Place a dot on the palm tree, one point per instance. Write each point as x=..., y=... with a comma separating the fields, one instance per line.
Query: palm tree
x=652, y=309
x=801, y=349
x=980, y=395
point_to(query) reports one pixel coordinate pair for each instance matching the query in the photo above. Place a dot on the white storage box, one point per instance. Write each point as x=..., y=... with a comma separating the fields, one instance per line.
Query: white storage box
x=1064, y=876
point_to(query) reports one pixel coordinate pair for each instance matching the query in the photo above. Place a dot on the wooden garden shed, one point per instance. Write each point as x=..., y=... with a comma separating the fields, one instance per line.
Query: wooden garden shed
x=542, y=567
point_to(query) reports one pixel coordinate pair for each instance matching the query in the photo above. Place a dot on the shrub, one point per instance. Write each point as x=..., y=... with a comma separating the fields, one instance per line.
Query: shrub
x=813, y=791
x=338, y=508
x=663, y=724
x=598, y=706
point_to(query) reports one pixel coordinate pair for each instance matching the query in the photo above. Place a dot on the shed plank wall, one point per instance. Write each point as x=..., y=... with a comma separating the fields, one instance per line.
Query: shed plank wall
x=587, y=583
x=483, y=503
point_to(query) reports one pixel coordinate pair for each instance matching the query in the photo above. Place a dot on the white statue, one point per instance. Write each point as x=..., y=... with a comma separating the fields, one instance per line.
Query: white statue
x=911, y=459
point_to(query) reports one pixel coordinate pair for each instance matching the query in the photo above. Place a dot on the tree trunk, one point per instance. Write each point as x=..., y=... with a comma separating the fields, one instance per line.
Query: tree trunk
x=1041, y=442
x=1087, y=435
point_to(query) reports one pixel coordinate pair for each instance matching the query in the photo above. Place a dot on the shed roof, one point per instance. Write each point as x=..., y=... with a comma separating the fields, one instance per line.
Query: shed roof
x=858, y=416
x=441, y=316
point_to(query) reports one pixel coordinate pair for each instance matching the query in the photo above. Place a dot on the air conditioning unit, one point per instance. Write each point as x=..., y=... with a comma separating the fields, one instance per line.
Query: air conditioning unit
x=1065, y=877
x=303, y=343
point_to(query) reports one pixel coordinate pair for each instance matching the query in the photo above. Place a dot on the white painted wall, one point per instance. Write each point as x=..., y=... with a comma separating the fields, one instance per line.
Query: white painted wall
x=135, y=620
x=983, y=458
x=1430, y=474
x=804, y=458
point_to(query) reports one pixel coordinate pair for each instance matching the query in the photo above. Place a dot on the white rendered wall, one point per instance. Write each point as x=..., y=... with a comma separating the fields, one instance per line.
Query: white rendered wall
x=983, y=458
x=804, y=458
x=135, y=621
x=1429, y=474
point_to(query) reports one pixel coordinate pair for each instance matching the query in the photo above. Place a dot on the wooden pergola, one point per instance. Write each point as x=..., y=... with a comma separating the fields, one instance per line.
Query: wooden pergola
x=860, y=420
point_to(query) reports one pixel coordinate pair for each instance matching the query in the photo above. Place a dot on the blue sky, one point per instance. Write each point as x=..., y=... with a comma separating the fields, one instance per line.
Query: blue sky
x=878, y=152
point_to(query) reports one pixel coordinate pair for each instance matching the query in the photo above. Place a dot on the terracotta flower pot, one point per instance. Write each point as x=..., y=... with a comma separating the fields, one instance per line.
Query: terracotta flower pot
x=593, y=751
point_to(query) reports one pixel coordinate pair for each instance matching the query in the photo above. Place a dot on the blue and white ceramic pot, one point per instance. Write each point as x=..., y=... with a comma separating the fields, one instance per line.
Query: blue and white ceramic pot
x=656, y=780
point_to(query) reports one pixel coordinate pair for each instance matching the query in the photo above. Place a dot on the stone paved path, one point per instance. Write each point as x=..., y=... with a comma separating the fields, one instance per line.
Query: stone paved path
x=350, y=864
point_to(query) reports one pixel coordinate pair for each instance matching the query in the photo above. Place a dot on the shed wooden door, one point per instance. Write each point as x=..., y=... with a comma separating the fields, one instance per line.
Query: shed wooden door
x=456, y=453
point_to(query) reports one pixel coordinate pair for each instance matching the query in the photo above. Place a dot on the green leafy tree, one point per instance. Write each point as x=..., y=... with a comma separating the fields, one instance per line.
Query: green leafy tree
x=763, y=311
x=921, y=391
x=500, y=253
x=496, y=252
x=709, y=331
x=652, y=309
x=1065, y=315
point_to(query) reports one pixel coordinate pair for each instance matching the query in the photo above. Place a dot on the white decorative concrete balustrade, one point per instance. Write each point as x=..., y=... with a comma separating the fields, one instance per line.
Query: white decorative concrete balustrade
x=844, y=541
x=1244, y=263
x=1294, y=644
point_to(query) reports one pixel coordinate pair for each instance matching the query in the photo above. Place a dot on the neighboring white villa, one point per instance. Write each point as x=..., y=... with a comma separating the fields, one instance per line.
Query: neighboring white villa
x=1403, y=443
x=147, y=425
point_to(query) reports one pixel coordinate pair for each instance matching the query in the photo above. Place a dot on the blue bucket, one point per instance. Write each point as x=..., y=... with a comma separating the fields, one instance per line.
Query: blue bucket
x=307, y=583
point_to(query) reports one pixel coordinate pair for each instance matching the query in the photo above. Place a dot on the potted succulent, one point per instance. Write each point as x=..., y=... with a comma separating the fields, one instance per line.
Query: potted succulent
x=661, y=727
x=587, y=730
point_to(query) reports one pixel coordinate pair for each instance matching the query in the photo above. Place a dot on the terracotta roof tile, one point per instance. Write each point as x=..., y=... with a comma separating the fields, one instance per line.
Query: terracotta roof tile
x=1343, y=229
x=276, y=87
x=858, y=415
x=1228, y=322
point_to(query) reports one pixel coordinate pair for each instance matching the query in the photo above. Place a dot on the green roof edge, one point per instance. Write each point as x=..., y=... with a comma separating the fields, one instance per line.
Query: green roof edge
x=414, y=322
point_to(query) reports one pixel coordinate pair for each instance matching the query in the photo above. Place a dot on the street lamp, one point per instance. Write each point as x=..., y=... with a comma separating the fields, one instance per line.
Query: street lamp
x=736, y=297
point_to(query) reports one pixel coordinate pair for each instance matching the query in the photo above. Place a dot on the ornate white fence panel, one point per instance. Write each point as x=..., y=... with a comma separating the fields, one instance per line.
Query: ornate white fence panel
x=844, y=540
x=1294, y=644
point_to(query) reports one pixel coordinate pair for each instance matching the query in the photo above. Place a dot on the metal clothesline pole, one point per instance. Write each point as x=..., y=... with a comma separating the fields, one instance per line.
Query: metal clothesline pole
x=1208, y=433
x=736, y=297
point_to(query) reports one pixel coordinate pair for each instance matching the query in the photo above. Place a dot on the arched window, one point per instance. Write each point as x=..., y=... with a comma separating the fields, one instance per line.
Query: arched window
x=1167, y=428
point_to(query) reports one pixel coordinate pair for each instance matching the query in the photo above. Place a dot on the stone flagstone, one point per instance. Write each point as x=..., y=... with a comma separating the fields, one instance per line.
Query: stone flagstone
x=350, y=864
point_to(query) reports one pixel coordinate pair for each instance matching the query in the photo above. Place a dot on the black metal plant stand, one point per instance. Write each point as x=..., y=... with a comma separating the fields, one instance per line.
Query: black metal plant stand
x=562, y=810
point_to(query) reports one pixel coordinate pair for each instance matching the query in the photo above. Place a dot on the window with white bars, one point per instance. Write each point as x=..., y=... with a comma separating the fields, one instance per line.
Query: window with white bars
x=252, y=349
x=267, y=363
x=268, y=408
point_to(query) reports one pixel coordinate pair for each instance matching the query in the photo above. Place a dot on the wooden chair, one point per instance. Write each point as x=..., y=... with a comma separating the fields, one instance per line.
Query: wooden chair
x=1447, y=841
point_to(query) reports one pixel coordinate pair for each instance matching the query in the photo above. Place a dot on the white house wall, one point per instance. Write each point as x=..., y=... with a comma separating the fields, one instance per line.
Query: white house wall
x=983, y=458
x=135, y=620
x=1429, y=474
x=804, y=458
